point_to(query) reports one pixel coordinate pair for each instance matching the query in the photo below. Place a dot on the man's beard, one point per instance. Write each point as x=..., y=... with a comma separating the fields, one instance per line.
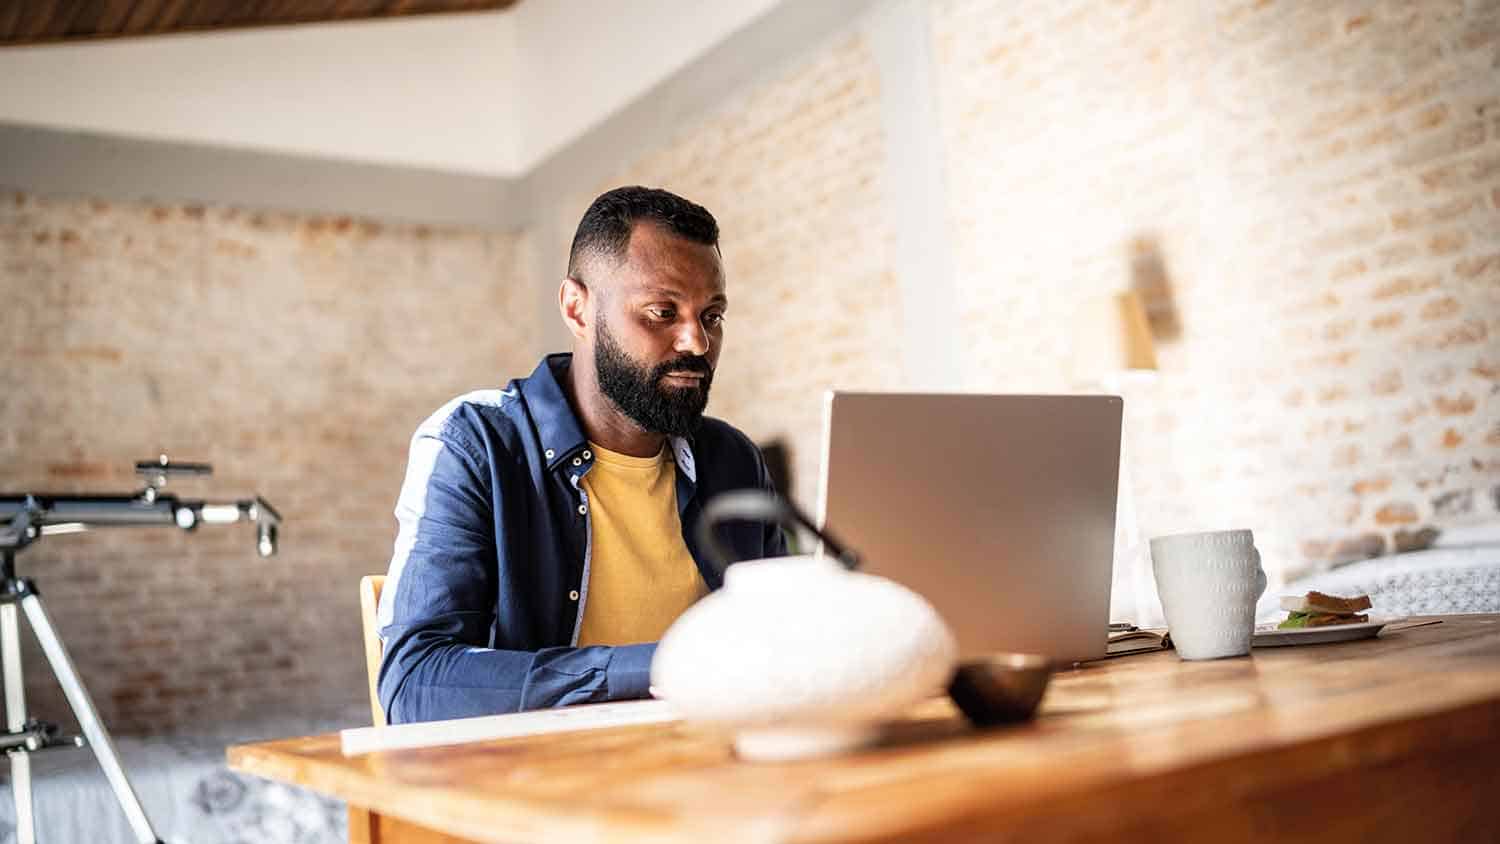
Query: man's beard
x=639, y=393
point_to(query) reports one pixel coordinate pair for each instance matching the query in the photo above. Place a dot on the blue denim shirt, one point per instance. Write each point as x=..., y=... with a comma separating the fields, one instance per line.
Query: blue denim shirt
x=489, y=579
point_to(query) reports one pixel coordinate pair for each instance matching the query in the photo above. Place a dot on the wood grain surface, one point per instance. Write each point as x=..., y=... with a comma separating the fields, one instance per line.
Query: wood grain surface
x=35, y=21
x=1396, y=738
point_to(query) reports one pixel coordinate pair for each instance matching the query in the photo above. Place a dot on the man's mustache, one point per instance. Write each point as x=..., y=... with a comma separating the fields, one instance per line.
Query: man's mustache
x=687, y=363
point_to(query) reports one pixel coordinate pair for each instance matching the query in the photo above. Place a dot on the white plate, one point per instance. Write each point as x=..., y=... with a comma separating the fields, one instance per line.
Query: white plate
x=1267, y=636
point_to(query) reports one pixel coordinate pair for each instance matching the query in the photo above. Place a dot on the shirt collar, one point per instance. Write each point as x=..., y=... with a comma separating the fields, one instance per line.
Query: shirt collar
x=682, y=451
x=556, y=425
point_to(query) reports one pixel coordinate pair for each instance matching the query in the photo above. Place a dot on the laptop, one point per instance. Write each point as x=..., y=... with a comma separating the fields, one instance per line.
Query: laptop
x=999, y=509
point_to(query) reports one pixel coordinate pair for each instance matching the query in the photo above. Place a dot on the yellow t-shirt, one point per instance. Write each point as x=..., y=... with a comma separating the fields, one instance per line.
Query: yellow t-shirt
x=641, y=576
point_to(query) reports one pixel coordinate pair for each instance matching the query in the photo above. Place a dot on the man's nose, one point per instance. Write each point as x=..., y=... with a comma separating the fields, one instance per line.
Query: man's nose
x=692, y=338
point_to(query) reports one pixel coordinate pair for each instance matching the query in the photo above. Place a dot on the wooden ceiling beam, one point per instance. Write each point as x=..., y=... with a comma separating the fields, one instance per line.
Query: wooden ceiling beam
x=42, y=21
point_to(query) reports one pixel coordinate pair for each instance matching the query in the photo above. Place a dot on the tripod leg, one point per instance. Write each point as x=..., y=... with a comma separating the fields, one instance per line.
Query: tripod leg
x=88, y=718
x=15, y=719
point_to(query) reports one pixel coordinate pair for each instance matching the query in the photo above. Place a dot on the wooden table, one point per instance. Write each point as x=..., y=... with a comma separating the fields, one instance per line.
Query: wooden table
x=1389, y=739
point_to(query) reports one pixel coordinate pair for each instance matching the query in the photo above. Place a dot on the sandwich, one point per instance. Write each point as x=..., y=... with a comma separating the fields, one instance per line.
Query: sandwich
x=1318, y=610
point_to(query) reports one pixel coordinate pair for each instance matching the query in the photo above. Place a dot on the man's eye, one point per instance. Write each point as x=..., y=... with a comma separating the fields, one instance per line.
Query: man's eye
x=713, y=319
x=661, y=313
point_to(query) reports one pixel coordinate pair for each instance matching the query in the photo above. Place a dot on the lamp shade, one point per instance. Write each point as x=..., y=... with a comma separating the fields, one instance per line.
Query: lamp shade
x=1111, y=335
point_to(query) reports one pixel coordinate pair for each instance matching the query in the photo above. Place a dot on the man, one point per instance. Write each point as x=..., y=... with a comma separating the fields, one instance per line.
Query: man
x=547, y=531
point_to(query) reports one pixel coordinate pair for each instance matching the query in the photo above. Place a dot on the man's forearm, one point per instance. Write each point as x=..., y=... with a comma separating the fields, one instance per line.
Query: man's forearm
x=434, y=681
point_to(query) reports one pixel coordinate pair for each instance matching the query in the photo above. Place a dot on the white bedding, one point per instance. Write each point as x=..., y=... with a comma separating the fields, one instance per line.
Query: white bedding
x=1439, y=581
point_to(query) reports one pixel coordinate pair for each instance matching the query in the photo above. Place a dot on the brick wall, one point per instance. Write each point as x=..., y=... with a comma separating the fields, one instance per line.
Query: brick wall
x=296, y=354
x=1308, y=194
x=791, y=168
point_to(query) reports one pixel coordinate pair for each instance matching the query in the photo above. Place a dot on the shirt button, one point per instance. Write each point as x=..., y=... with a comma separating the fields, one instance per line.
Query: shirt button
x=577, y=461
x=588, y=455
x=548, y=453
x=583, y=509
x=573, y=596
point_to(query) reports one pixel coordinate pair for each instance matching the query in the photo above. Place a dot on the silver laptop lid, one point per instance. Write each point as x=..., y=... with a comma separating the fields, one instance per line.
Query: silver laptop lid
x=999, y=509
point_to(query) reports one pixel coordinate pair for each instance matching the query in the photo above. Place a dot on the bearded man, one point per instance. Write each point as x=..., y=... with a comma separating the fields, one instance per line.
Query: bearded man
x=547, y=531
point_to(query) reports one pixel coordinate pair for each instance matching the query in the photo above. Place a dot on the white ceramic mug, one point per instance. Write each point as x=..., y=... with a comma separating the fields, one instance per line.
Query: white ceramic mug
x=1209, y=583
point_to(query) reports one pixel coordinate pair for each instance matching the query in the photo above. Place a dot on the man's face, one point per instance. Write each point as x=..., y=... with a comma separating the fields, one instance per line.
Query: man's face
x=658, y=330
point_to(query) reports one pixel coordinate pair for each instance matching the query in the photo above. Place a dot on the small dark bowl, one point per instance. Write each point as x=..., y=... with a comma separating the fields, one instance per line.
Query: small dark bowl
x=1000, y=689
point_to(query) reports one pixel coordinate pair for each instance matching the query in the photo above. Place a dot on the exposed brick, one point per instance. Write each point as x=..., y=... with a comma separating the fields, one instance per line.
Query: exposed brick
x=1445, y=143
x=1352, y=236
x=1344, y=549
x=1459, y=406
x=1389, y=383
x=1379, y=137
x=1455, y=209
x=1405, y=541
x=1469, y=333
x=1458, y=502
x=1440, y=479
x=1401, y=446
x=1346, y=455
x=1479, y=265
x=1430, y=117
x=116, y=383
x=1371, y=485
x=1334, y=360
x=793, y=163
x=1396, y=513
x=1442, y=308
x=1330, y=395
x=1352, y=512
x=1480, y=32
x=1414, y=411
x=1460, y=175
x=1397, y=254
x=1337, y=119
x=1440, y=376
x=1447, y=243
x=1410, y=95
x=1339, y=330
x=1347, y=269
x=1406, y=286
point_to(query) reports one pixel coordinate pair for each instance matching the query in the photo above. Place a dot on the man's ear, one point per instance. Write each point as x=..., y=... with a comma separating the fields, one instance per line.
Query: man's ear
x=573, y=302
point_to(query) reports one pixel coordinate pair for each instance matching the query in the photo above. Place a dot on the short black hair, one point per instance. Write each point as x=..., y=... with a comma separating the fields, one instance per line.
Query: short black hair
x=606, y=226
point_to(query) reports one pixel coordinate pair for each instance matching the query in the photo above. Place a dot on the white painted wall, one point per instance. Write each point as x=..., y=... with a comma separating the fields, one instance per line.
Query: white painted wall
x=492, y=93
x=578, y=61
x=434, y=91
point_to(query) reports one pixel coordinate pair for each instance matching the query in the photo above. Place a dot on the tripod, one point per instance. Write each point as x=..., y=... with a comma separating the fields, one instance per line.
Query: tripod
x=29, y=518
x=25, y=736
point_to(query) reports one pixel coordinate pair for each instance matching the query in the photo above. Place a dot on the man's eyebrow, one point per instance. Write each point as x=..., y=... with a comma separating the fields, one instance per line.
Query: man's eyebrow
x=668, y=293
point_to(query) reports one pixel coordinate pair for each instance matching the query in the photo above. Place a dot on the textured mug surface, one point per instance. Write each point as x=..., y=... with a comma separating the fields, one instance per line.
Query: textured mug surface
x=1209, y=583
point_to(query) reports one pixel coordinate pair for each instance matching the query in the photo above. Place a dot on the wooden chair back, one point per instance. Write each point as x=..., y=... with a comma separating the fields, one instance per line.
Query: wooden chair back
x=369, y=605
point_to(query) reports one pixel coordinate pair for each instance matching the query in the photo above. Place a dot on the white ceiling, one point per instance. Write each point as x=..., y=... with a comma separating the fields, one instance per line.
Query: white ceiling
x=491, y=92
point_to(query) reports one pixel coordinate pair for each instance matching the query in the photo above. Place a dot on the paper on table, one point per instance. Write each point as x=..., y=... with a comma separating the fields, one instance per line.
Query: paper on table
x=594, y=716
